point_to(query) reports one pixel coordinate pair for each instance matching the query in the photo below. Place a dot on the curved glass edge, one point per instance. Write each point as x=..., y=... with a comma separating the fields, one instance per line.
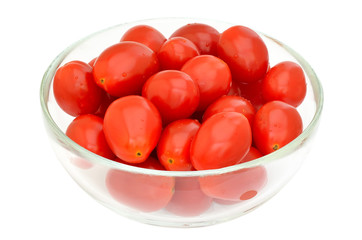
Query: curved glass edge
x=289, y=148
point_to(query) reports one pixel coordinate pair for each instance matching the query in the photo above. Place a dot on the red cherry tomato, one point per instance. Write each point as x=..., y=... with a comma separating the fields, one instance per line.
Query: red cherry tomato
x=202, y=35
x=123, y=68
x=222, y=140
x=212, y=76
x=132, y=126
x=175, y=52
x=174, y=93
x=231, y=104
x=87, y=131
x=188, y=200
x=276, y=124
x=173, y=149
x=150, y=163
x=239, y=185
x=75, y=90
x=146, y=35
x=245, y=53
x=143, y=192
x=285, y=82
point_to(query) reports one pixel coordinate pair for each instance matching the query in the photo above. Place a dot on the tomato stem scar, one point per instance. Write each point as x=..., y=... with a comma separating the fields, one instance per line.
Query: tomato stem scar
x=170, y=160
x=138, y=154
x=102, y=80
x=275, y=147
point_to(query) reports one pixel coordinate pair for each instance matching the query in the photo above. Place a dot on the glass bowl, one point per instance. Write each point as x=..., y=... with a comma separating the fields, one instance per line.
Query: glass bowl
x=178, y=198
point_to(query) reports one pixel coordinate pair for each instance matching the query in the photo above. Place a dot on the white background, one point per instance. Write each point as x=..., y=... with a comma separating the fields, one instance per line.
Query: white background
x=38, y=198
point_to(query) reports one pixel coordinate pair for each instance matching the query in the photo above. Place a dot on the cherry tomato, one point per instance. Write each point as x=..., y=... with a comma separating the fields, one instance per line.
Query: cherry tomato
x=174, y=93
x=245, y=52
x=143, y=192
x=285, y=82
x=132, y=126
x=202, y=35
x=212, y=76
x=231, y=104
x=123, y=68
x=239, y=185
x=87, y=131
x=173, y=149
x=75, y=90
x=276, y=124
x=150, y=163
x=188, y=200
x=175, y=52
x=222, y=140
x=146, y=35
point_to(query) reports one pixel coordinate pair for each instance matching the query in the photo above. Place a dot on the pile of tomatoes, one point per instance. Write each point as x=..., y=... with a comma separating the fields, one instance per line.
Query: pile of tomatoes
x=197, y=100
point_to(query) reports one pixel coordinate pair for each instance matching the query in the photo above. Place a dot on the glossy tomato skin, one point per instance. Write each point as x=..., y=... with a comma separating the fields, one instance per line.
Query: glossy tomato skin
x=123, y=68
x=132, y=127
x=204, y=36
x=222, y=140
x=231, y=104
x=212, y=75
x=245, y=52
x=276, y=124
x=87, y=131
x=174, y=93
x=173, y=149
x=75, y=90
x=143, y=192
x=285, y=82
x=175, y=52
x=241, y=185
x=146, y=35
x=188, y=200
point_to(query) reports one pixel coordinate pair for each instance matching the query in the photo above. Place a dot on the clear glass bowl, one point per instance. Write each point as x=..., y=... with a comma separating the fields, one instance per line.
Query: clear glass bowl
x=174, y=198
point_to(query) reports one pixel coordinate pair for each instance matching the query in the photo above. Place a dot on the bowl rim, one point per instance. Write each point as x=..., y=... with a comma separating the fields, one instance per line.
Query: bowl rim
x=287, y=149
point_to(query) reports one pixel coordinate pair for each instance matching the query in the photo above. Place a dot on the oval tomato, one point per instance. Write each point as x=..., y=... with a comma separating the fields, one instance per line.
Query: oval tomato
x=222, y=140
x=202, y=35
x=212, y=75
x=175, y=52
x=174, y=93
x=123, y=68
x=146, y=35
x=173, y=148
x=75, y=90
x=132, y=127
x=245, y=52
x=285, y=82
x=143, y=192
x=188, y=200
x=276, y=124
x=231, y=104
